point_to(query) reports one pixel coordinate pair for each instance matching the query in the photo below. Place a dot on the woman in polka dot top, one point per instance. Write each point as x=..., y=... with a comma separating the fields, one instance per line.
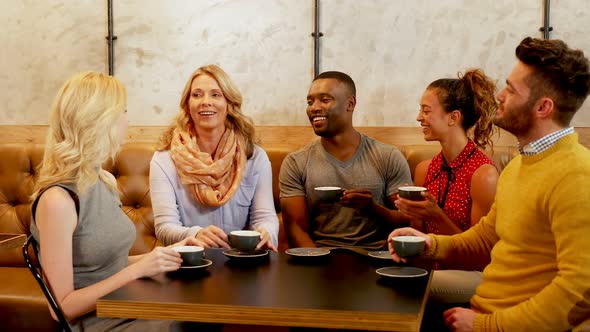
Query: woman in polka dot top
x=461, y=179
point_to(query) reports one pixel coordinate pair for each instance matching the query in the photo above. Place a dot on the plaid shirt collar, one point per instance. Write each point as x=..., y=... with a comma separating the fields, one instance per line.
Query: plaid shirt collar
x=544, y=143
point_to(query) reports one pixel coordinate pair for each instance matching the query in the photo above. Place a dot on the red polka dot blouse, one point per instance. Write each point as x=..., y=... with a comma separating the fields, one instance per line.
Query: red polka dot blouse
x=450, y=184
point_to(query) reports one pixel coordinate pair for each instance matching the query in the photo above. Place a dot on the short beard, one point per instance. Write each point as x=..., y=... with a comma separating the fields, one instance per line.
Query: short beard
x=519, y=120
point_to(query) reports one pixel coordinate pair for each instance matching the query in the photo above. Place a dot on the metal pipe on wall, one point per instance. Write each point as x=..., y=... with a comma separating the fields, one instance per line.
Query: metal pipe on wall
x=546, y=28
x=316, y=39
x=110, y=38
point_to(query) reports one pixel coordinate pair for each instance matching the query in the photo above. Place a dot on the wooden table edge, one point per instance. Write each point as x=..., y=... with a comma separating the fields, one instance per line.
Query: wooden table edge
x=425, y=299
x=272, y=316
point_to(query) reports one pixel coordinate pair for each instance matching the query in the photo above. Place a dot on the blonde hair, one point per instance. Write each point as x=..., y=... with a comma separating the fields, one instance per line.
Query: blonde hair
x=82, y=131
x=236, y=120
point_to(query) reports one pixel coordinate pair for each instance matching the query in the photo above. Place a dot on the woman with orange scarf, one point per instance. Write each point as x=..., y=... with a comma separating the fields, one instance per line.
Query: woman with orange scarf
x=208, y=177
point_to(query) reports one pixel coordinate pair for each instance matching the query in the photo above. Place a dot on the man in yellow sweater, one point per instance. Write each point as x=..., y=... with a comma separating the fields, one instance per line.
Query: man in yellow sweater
x=537, y=233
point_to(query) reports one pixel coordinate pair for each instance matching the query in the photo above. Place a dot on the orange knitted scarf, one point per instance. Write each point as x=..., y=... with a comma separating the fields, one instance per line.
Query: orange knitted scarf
x=213, y=181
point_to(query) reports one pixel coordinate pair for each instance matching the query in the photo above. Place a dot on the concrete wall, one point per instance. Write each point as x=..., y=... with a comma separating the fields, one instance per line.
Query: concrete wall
x=391, y=48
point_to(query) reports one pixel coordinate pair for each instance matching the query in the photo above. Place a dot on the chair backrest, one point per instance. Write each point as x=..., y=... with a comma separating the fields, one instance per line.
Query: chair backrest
x=31, y=242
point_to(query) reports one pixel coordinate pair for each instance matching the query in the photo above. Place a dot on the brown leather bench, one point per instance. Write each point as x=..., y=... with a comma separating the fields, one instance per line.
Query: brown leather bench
x=22, y=304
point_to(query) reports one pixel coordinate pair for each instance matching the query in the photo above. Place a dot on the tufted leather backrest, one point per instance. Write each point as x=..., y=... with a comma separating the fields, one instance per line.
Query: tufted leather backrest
x=414, y=154
x=131, y=168
x=276, y=155
x=18, y=163
x=417, y=153
x=500, y=155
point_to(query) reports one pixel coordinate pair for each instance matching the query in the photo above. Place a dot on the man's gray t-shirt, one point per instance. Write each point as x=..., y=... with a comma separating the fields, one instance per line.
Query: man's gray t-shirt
x=375, y=166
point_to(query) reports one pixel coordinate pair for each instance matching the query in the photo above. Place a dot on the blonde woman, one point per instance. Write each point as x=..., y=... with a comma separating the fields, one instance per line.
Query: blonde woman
x=83, y=235
x=208, y=177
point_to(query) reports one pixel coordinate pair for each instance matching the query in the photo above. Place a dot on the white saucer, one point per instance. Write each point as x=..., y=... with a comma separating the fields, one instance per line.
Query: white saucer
x=401, y=272
x=307, y=252
x=205, y=263
x=383, y=254
x=235, y=253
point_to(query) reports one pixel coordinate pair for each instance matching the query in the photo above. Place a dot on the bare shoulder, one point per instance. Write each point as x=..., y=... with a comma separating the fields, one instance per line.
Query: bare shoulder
x=56, y=196
x=421, y=171
x=55, y=203
x=484, y=177
x=424, y=164
x=486, y=172
x=109, y=176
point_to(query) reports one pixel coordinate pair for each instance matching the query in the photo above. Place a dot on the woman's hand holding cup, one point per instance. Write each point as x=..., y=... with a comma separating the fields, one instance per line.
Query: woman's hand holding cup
x=213, y=237
x=189, y=241
x=426, y=208
x=190, y=250
x=408, y=232
x=265, y=240
x=161, y=259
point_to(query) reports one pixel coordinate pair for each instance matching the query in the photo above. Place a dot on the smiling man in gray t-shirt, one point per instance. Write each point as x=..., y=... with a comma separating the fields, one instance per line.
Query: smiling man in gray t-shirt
x=368, y=170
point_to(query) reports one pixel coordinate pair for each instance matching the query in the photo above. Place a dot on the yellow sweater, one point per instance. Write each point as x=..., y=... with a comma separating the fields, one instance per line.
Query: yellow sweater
x=538, y=236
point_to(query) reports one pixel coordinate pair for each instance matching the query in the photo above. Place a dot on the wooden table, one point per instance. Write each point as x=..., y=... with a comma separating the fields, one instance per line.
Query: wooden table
x=341, y=291
x=9, y=241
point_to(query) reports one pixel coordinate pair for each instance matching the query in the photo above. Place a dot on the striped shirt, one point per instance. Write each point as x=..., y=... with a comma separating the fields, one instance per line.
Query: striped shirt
x=544, y=142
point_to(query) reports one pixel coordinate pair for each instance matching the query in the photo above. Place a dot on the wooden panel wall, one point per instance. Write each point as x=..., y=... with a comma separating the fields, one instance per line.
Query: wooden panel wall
x=271, y=136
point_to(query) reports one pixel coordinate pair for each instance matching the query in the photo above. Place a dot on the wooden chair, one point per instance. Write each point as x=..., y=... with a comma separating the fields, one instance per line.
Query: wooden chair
x=31, y=242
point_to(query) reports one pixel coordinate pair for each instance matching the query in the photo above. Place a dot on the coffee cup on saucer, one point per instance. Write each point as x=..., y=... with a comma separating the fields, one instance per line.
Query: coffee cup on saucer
x=408, y=246
x=244, y=240
x=191, y=255
x=329, y=194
